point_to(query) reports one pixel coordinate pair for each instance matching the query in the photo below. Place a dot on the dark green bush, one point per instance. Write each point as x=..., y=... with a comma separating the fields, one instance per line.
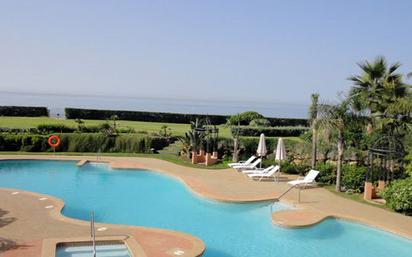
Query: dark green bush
x=260, y=123
x=55, y=128
x=327, y=173
x=244, y=118
x=398, y=195
x=283, y=122
x=76, y=113
x=291, y=168
x=61, y=128
x=250, y=144
x=286, y=167
x=353, y=177
x=269, y=131
x=95, y=142
x=25, y=111
x=83, y=142
x=20, y=130
x=23, y=142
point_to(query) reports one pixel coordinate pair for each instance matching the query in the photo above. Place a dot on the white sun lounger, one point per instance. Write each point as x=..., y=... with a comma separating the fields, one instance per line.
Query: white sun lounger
x=248, y=167
x=309, y=179
x=269, y=174
x=249, y=161
x=258, y=171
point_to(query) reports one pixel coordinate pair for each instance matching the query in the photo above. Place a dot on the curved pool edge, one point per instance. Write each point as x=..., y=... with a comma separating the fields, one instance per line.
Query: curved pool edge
x=111, y=230
x=289, y=218
x=307, y=217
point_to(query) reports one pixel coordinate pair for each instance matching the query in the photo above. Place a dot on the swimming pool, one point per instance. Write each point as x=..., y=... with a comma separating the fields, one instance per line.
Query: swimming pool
x=229, y=230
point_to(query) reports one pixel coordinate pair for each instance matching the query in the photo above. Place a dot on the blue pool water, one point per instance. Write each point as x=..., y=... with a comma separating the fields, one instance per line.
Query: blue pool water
x=228, y=230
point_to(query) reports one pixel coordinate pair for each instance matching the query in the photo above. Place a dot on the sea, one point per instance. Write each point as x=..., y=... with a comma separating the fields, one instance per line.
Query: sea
x=56, y=104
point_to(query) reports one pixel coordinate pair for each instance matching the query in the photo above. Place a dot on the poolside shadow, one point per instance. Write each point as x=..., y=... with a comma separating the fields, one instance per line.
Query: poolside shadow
x=6, y=245
x=4, y=221
x=212, y=252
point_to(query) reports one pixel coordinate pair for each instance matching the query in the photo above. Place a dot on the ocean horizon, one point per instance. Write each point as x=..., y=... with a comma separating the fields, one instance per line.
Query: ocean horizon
x=56, y=104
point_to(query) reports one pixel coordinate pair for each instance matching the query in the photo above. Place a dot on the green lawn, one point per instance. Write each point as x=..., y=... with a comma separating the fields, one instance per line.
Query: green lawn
x=355, y=197
x=32, y=122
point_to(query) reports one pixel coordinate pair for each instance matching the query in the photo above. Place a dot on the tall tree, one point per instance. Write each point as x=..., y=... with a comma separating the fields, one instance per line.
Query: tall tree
x=378, y=86
x=313, y=115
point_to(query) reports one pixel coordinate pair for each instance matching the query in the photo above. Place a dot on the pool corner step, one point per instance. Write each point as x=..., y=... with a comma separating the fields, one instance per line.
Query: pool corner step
x=82, y=162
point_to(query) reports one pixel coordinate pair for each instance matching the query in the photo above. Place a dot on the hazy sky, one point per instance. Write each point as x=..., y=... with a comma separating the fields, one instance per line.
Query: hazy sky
x=278, y=51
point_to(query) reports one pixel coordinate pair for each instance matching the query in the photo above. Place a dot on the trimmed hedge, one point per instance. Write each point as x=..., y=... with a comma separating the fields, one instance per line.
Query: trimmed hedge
x=25, y=111
x=61, y=128
x=76, y=113
x=94, y=114
x=84, y=142
x=282, y=122
x=23, y=142
x=269, y=131
x=20, y=130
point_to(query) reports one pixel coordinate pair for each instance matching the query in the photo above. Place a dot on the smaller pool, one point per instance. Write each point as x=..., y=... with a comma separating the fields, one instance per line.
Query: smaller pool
x=85, y=249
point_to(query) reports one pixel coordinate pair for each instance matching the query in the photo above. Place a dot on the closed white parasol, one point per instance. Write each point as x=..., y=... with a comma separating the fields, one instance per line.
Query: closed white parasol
x=261, y=150
x=280, y=151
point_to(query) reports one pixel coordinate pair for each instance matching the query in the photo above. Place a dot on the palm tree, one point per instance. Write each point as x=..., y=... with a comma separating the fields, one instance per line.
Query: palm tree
x=336, y=117
x=376, y=88
x=313, y=115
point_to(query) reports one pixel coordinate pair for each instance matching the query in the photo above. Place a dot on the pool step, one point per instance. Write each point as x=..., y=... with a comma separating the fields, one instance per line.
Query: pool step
x=86, y=251
x=81, y=163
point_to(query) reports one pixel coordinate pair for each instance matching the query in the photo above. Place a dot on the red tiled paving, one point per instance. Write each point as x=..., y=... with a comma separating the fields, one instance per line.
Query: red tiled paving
x=30, y=223
x=297, y=218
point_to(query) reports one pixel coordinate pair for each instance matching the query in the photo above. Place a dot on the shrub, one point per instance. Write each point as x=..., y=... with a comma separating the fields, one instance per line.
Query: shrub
x=61, y=128
x=286, y=167
x=282, y=122
x=84, y=142
x=398, y=195
x=244, y=118
x=94, y=142
x=25, y=111
x=23, y=142
x=408, y=160
x=353, y=177
x=76, y=113
x=291, y=168
x=327, y=173
x=55, y=128
x=249, y=145
x=20, y=130
x=269, y=131
x=259, y=123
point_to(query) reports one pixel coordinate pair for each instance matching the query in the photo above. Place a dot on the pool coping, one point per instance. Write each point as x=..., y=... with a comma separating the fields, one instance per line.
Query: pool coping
x=313, y=215
x=49, y=246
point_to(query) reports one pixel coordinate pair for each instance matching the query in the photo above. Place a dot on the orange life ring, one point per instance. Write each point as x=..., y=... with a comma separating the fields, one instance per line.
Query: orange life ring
x=54, y=141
